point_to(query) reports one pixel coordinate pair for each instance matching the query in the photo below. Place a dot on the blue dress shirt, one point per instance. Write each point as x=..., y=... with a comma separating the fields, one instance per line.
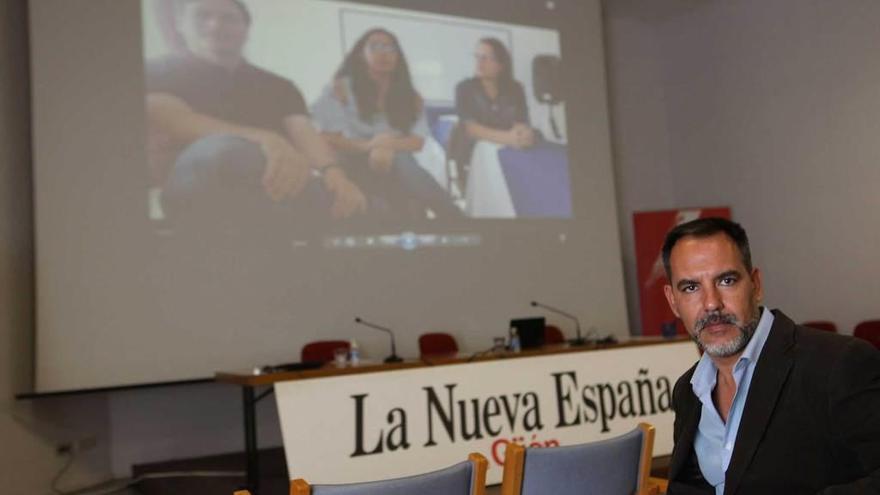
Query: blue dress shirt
x=715, y=440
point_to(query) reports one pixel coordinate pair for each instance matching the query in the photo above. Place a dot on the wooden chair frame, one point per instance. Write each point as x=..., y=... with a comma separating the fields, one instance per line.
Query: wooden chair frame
x=515, y=459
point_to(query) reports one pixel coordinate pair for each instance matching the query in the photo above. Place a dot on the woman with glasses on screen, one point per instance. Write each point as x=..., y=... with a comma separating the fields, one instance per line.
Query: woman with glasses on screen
x=372, y=114
x=491, y=106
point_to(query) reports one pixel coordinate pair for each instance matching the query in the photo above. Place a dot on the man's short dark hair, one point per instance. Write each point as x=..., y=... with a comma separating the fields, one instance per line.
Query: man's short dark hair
x=180, y=4
x=707, y=227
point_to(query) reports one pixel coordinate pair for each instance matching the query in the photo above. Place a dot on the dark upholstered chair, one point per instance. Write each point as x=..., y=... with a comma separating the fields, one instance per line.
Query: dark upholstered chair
x=321, y=350
x=553, y=335
x=870, y=331
x=437, y=344
x=617, y=466
x=464, y=478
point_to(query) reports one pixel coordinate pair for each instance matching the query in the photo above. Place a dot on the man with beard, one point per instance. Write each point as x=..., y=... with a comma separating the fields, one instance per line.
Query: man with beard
x=771, y=407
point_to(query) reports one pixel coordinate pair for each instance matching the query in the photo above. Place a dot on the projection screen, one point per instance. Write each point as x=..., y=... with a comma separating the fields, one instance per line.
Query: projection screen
x=219, y=182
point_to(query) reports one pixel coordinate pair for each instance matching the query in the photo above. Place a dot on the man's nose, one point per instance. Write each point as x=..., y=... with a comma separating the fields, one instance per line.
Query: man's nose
x=712, y=299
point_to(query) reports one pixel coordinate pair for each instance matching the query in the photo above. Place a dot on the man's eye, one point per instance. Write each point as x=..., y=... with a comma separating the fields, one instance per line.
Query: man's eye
x=689, y=288
x=728, y=280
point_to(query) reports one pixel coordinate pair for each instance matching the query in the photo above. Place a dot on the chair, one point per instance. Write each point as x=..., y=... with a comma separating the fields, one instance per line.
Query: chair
x=553, y=335
x=658, y=486
x=464, y=478
x=437, y=343
x=617, y=466
x=870, y=331
x=821, y=325
x=321, y=350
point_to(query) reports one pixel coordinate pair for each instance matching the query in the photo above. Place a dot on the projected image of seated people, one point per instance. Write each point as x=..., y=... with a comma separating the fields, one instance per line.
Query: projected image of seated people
x=230, y=141
x=371, y=114
x=492, y=105
x=229, y=180
x=306, y=118
x=493, y=139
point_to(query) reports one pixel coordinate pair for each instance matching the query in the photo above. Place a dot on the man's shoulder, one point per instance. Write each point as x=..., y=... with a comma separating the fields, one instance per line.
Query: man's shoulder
x=270, y=86
x=823, y=345
x=816, y=352
x=785, y=334
x=268, y=77
x=833, y=351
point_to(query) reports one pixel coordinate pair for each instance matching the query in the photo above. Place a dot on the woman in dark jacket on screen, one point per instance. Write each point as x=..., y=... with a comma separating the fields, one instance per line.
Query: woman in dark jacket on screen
x=491, y=106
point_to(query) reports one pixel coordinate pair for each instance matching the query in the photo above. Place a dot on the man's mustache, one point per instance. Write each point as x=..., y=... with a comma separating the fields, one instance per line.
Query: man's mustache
x=714, y=319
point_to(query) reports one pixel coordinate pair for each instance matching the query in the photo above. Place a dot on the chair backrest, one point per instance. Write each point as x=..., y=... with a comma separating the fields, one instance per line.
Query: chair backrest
x=870, y=331
x=321, y=350
x=553, y=335
x=617, y=466
x=437, y=343
x=464, y=478
x=821, y=325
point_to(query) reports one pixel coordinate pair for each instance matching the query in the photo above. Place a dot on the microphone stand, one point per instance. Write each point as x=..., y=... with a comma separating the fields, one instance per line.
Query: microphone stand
x=579, y=340
x=393, y=358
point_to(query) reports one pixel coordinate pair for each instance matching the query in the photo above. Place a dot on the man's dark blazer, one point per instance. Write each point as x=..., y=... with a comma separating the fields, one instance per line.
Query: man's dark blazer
x=811, y=422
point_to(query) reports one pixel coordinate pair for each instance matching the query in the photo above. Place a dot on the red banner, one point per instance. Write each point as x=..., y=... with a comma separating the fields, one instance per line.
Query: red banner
x=650, y=231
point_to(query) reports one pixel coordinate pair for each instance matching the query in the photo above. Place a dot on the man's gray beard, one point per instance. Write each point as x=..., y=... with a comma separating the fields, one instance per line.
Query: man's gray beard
x=733, y=346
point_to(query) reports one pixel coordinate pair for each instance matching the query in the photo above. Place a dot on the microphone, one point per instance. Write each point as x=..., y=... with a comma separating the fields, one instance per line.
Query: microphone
x=393, y=358
x=576, y=341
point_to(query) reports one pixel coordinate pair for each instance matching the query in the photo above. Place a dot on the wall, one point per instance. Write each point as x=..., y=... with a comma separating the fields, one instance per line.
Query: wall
x=774, y=109
x=770, y=108
x=643, y=174
x=30, y=431
x=25, y=455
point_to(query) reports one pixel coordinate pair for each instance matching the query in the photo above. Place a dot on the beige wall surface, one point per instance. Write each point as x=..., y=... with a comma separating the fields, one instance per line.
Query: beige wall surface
x=771, y=108
x=25, y=460
x=29, y=431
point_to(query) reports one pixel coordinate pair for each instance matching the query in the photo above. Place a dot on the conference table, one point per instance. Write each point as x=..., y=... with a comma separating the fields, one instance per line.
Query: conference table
x=347, y=398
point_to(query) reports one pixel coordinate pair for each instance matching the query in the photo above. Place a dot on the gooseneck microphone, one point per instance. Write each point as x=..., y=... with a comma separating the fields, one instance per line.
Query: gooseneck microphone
x=579, y=340
x=393, y=358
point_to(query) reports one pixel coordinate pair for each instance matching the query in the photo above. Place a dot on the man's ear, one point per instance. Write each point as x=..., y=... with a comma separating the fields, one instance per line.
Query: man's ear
x=670, y=298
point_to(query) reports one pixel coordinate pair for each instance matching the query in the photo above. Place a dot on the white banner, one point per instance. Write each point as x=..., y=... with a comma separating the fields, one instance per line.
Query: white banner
x=388, y=424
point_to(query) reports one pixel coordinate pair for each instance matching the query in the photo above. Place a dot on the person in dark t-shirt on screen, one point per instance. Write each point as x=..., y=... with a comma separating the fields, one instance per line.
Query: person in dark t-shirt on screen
x=232, y=141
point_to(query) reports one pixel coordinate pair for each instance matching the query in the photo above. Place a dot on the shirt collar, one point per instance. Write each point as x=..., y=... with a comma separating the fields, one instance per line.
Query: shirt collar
x=705, y=375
